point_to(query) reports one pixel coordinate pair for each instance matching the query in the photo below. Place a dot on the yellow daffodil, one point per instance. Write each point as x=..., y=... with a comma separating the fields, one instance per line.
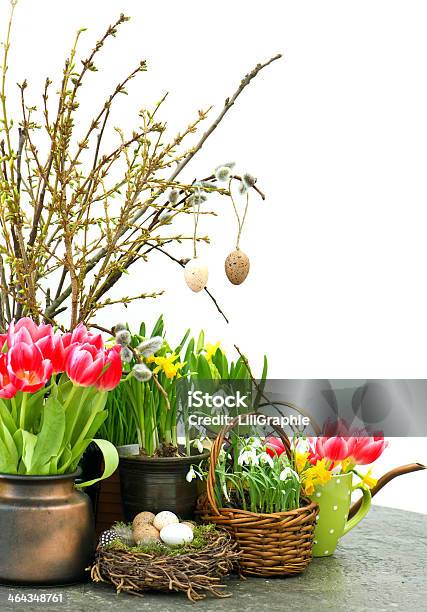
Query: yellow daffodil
x=345, y=464
x=308, y=486
x=301, y=461
x=320, y=472
x=211, y=349
x=368, y=481
x=167, y=365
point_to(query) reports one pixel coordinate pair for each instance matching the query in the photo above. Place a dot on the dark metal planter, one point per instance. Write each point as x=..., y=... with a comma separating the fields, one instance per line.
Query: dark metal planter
x=158, y=483
x=46, y=530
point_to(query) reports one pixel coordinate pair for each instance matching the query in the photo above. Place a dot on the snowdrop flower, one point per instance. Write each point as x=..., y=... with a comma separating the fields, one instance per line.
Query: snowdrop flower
x=197, y=443
x=191, y=475
x=265, y=458
x=141, y=372
x=126, y=355
x=255, y=442
x=150, y=346
x=288, y=472
x=248, y=457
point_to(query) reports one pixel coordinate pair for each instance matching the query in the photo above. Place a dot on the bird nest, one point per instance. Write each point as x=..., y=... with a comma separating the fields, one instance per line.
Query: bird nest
x=196, y=571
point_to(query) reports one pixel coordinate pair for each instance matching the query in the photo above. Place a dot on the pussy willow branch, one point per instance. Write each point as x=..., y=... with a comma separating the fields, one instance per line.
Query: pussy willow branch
x=229, y=103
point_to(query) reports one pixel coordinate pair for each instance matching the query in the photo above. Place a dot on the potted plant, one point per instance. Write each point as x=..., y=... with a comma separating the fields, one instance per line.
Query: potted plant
x=255, y=492
x=53, y=390
x=147, y=421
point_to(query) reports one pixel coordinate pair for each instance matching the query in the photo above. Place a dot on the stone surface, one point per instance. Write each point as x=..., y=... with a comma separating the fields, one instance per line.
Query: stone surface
x=380, y=565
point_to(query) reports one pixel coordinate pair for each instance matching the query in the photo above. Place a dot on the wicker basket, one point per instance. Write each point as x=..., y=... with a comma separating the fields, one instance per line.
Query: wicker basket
x=278, y=544
x=196, y=573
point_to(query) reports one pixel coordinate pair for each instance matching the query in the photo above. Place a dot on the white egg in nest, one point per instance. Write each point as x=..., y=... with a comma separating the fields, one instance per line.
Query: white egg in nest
x=164, y=518
x=176, y=534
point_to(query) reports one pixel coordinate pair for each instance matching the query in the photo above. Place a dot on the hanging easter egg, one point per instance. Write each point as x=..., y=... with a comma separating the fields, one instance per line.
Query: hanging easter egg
x=176, y=534
x=237, y=267
x=196, y=274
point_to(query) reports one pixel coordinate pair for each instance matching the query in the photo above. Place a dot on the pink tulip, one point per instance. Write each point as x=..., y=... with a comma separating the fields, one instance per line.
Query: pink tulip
x=334, y=448
x=7, y=389
x=27, y=369
x=53, y=349
x=367, y=450
x=112, y=375
x=84, y=364
x=80, y=335
x=25, y=330
x=274, y=446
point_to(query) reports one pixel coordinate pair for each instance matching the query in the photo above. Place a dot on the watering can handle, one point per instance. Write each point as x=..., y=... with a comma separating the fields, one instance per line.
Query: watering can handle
x=362, y=511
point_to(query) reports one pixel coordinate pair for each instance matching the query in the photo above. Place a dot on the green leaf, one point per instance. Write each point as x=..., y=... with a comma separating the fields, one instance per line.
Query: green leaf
x=111, y=462
x=142, y=330
x=29, y=442
x=159, y=327
x=201, y=341
x=50, y=439
x=6, y=418
x=7, y=463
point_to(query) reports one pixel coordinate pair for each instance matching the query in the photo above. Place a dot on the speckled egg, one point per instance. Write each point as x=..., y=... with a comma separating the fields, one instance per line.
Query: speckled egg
x=237, y=267
x=162, y=519
x=143, y=518
x=176, y=534
x=144, y=534
x=189, y=524
x=196, y=274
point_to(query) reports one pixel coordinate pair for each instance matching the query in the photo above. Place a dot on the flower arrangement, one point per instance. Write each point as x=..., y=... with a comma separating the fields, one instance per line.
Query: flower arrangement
x=53, y=390
x=144, y=409
x=254, y=473
x=327, y=456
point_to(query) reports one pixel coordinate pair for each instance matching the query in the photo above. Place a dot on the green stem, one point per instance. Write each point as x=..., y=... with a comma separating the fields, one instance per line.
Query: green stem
x=23, y=411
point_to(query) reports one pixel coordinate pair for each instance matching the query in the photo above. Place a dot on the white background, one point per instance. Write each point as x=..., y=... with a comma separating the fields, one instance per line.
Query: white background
x=336, y=133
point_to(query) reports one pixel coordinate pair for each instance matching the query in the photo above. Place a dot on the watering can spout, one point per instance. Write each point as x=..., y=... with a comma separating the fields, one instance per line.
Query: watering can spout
x=385, y=479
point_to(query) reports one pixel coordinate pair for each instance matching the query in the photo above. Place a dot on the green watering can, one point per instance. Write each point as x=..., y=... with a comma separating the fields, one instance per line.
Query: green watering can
x=336, y=514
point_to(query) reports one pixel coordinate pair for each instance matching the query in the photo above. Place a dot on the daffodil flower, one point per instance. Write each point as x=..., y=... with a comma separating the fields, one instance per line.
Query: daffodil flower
x=211, y=349
x=167, y=365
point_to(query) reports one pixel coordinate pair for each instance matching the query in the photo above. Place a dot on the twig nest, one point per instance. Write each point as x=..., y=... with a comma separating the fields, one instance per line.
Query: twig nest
x=196, y=274
x=144, y=534
x=165, y=518
x=176, y=534
x=143, y=518
x=237, y=267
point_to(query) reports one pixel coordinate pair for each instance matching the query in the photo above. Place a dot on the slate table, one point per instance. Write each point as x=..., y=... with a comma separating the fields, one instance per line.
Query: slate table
x=381, y=565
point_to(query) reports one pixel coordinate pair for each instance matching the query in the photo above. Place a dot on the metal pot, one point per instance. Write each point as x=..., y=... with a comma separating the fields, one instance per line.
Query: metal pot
x=158, y=483
x=46, y=530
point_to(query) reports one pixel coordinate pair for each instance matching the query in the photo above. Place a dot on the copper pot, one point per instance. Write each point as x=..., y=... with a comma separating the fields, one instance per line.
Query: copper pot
x=46, y=530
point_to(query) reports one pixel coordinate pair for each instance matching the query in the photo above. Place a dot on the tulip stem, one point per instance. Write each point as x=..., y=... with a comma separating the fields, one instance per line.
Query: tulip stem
x=23, y=410
x=70, y=396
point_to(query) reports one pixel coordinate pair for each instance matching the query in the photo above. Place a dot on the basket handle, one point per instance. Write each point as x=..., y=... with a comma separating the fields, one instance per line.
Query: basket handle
x=216, y=449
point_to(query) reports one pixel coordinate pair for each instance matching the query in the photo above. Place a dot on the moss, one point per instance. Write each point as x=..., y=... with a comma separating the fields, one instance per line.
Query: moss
x=201, y=539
